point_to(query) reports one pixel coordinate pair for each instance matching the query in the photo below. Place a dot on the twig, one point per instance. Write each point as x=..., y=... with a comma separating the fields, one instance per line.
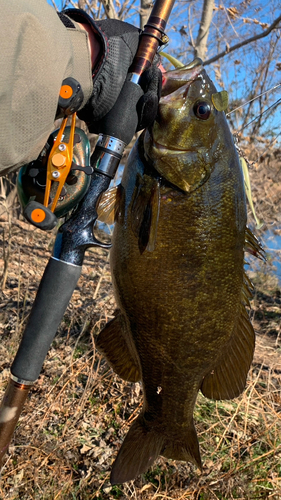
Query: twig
x=228, y=50
x=54, y=5
x=100, y=280
x=6, y=251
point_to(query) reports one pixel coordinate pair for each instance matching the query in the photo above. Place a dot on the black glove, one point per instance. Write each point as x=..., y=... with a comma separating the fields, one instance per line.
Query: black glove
x=151, y=83
x=135, y=108
x=119, y=41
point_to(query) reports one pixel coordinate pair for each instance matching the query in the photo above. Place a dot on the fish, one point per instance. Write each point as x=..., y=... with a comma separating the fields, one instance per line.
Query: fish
x=177, y=265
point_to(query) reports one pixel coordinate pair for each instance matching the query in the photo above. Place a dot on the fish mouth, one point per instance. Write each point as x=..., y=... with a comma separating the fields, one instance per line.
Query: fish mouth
x=180, y=77
x=176, y=149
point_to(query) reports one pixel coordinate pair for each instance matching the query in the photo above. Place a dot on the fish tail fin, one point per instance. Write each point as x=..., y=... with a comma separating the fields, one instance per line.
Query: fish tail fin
x=137, y=453
x=186, y=448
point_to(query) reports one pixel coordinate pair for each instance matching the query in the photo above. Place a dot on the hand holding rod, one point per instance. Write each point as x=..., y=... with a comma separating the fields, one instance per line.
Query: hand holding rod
x=122, y=120
x=76, y=235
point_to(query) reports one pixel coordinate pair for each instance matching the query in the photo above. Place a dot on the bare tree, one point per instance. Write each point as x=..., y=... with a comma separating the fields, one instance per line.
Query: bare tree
x=109, y=9
x=240, y=45
x=145, y=8
x=274, y=25
x=206, y=19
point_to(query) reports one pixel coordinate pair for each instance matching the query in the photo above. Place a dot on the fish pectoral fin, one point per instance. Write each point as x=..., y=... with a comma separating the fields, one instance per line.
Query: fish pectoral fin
x=186, y=449
x=145, y=212
x=228, y=379
x=113, y=346
x=109, y=205
x=155, y=210
x=137, y=453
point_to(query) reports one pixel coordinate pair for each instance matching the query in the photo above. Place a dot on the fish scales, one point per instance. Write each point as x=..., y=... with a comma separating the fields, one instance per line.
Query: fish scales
x=177, y=271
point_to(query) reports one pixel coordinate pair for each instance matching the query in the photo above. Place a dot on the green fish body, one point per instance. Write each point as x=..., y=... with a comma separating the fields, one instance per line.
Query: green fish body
x=177, y=269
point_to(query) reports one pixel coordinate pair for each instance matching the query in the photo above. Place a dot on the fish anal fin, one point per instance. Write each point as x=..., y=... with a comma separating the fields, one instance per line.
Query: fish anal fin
x=113, y=346
x=137, y=453
x=109, y=205
x=186, y=449
x=145, y=212
x=228, y=379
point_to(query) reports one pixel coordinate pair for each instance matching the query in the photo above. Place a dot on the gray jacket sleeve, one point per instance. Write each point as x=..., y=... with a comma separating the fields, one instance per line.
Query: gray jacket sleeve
x=37, y=53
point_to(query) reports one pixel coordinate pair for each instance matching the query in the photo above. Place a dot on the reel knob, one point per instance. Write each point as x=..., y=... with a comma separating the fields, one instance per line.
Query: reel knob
x=40, y=216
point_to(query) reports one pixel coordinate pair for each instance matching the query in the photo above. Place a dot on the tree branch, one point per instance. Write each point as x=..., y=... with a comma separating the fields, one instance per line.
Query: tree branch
x=201, y=42
x=145, y=9
x=109, y=9
x=245, y=42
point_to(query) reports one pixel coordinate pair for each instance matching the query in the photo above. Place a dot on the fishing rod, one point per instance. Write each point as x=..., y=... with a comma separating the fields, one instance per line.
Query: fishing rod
x=76, y=235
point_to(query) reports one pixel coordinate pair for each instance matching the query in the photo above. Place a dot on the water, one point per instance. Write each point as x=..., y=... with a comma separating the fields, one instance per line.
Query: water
x=271, y=243
x=272, y=246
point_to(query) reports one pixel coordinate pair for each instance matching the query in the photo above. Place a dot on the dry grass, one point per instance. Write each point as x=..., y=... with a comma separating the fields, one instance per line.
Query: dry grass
x=79, y=411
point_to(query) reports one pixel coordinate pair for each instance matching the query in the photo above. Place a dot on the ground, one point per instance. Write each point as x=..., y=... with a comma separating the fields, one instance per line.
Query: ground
x=79, y=411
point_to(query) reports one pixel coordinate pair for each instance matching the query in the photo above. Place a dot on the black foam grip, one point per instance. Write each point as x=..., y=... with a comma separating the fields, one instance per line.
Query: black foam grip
x=55, y=290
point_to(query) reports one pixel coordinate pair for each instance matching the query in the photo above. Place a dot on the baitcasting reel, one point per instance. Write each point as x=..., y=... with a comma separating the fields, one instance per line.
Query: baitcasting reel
x=35, y=188
x=52, y=185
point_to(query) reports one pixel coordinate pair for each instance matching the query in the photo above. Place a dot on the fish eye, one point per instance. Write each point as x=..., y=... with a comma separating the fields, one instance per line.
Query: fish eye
x=202, y=110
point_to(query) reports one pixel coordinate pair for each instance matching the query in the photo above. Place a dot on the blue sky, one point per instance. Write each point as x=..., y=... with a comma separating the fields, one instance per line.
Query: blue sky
x=58, y=3
x=239, y=70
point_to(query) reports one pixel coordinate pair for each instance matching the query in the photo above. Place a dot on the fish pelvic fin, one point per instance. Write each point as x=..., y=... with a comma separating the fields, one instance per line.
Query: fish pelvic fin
x=186, y=449
x=228, y=379
x=113, y=346
x=137, y=453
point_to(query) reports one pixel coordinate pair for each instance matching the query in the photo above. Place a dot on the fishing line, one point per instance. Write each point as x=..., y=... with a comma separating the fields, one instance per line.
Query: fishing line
x=261, y=114
x=236, y=138
x=254, y=98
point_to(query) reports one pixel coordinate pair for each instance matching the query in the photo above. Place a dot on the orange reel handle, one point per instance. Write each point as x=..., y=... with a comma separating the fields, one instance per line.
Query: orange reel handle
x=59, y=162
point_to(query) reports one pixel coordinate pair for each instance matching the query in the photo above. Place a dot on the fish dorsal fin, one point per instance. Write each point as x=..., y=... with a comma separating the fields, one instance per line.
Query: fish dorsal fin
x=145, y=212
x=109, y=204
x=252, y=245
x=228, y=379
